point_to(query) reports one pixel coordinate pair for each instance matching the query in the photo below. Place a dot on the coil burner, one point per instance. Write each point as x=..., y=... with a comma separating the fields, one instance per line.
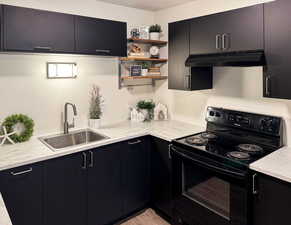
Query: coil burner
x=239, y=155
x=251, y=149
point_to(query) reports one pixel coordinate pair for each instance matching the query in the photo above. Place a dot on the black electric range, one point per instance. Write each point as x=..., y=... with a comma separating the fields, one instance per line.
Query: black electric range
x=211, y=169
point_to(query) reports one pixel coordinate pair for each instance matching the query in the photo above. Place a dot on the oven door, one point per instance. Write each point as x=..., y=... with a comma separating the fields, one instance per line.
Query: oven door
x=207, y=192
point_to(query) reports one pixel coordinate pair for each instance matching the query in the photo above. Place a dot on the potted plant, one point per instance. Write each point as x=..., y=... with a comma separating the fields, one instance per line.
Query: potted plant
x=147, y=108
x=145, y=67
x=155, y=31
x=95, y=110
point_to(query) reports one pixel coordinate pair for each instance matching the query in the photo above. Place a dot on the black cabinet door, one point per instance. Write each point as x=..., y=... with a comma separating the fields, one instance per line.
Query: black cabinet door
x=136, y=174
x=272, y=203
x=236, y=30
x=105, y=192
x=36, y=30
x=277, y=49
x=21, y=189
x=242, y=29
x=161, y=176
x=100, y=37
x=180, y=76
x=65, y=191
x=178, y=53
x=206, y=34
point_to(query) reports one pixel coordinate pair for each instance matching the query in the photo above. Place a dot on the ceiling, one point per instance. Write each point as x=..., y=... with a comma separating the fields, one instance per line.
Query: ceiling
x=152, y=5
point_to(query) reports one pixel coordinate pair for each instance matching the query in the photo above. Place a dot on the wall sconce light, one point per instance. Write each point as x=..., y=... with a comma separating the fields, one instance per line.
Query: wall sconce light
x=61, y=70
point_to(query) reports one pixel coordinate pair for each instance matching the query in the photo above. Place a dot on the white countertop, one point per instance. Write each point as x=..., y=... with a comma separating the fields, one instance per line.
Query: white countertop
x=277, y=164
x=4, y=216
x=33, y=151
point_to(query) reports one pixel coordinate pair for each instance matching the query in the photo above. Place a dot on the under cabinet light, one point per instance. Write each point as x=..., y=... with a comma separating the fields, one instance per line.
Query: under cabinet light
x=61, y=70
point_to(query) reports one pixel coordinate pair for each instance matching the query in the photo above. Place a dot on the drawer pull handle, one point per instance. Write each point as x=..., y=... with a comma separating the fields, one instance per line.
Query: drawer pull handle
x=103, y=50
x=135, y=142
x=43, y=48
x=22, y=172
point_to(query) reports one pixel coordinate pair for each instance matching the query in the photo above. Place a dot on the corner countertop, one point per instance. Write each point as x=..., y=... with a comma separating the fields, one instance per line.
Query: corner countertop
x=4, y=216
x=33, y=151
x=277, y=164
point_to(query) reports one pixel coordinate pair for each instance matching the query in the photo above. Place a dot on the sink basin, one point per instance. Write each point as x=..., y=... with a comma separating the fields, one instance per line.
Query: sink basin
x=76, y=138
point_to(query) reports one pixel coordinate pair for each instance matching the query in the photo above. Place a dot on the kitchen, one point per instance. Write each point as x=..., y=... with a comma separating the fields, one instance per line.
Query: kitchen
x=144, y=171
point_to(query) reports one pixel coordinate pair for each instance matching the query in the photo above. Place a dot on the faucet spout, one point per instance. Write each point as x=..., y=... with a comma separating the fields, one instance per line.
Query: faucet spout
x=66, y=123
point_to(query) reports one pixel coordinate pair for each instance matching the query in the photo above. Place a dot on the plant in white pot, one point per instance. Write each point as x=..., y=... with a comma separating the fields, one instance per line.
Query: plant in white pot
x=147, y=108
x=155, y=31
x=95, y=110
x=145, y=68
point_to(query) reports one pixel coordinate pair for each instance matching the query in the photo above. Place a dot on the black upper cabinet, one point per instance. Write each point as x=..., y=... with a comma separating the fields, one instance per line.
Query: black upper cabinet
x=277, y=49
x=180, y=76
x=65, y=191
x=272, y=203
x=36, y=30
x=243, y=29
x=101, y=37
x=136, y=170
x=178, y=53
x=105, y=192
x=236, y=30
x=161, y=177
x=22, y=191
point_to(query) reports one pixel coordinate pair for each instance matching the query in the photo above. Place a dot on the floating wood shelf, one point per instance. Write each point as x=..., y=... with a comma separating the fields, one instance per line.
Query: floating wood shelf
x=143, y=59
x=147, y=41
x=144, y=77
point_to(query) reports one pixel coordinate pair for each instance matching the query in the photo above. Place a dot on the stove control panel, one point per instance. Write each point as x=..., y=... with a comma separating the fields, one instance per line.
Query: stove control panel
x=256, y=122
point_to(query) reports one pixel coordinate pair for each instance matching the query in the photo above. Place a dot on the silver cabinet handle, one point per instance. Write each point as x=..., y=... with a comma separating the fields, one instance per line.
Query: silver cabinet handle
x=224, y=36
x=255, y=191
x=103, y=50
x=187, y=81
x=22, y=172
x=43, y=48
x=218, y=41
x=84, y=166
x=267, y=85
x=135, y=142
x=169, y=151
x=91, y=164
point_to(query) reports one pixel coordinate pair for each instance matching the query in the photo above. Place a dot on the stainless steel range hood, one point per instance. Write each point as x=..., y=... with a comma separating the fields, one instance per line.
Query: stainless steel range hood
x=239, y=59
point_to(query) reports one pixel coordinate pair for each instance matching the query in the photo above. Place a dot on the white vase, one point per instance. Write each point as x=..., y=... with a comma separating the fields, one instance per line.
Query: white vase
x=155, y=36
x=94, y=123
x=144, y=72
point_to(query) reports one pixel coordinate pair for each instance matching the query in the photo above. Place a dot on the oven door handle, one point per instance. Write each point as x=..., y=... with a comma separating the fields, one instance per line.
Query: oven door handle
x=224, y=171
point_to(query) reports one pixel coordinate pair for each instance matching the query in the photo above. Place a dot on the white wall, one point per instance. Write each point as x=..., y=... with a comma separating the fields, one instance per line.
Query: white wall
x=243, y=83
x=25, y=89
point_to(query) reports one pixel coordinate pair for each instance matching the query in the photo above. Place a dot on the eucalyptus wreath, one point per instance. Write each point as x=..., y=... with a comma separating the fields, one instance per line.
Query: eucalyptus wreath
x=27, y=122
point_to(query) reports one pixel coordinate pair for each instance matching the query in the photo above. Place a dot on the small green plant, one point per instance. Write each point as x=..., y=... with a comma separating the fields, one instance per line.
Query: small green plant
x=146, y=65
x=95, y=103
x=155, y=28
x=147, y=105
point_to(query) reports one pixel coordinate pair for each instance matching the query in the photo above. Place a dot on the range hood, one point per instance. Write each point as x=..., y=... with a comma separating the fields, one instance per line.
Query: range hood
x=239, y=59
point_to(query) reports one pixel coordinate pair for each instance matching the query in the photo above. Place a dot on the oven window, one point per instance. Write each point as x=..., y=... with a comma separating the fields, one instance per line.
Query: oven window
x=206, y=189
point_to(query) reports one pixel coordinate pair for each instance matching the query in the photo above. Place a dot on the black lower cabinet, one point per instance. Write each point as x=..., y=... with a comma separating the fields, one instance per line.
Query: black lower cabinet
x=272, y=202
x=105, y=191
x=161, y=177
x=21, y=189
x=136, y=174
x=65, y=191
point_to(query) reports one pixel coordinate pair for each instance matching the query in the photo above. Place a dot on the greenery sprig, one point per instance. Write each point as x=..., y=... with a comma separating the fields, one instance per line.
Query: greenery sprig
x=155, y=28
x=96, y=101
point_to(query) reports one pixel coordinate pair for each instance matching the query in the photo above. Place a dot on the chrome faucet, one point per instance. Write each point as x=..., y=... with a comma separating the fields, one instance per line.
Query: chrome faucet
x=66, y=123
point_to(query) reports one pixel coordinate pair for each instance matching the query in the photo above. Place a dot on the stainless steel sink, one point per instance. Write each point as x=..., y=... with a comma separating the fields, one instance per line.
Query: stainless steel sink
x=81, y=137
